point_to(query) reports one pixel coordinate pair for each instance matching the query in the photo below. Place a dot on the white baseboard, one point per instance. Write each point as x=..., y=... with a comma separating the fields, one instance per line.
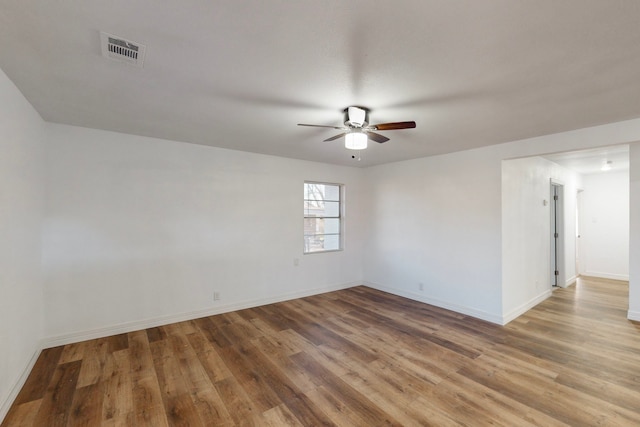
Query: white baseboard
x=7, y=401
x=633, y=315
x=518, y=311
x=570, y=281
x=612, y=276
x=126, y=327
x=479, y=314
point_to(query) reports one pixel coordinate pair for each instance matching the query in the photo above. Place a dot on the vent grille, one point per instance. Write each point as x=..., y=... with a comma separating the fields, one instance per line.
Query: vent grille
x=120, y=47
x=122, y=50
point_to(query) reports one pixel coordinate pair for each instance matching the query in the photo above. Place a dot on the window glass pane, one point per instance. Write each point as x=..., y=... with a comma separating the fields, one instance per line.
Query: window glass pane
x=332, y=209
x=313, y=208
x=322, y=242
x=311, y=226
x=331, y=242
x=332, y=192
x=331, y=226
x=321, y=209
x=313, y=243
x=321, y=192
x=321, y=226
x=314, y=191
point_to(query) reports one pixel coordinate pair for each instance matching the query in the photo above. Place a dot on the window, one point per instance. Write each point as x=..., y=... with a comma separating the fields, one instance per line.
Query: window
x=322, y=217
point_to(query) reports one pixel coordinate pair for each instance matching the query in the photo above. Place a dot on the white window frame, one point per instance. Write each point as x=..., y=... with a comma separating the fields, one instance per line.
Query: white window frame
x=340, y=218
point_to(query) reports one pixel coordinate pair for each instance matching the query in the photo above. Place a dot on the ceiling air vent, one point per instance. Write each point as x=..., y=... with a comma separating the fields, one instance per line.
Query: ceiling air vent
x=119, y=49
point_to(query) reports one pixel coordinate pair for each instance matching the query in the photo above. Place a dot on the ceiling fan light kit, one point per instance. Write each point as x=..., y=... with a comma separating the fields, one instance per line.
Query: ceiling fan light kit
x=357, y=130
x=355, y=140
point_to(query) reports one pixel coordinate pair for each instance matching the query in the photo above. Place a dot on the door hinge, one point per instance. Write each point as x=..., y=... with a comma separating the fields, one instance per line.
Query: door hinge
x=557, y=273
x=556, y=235
x=555, y=197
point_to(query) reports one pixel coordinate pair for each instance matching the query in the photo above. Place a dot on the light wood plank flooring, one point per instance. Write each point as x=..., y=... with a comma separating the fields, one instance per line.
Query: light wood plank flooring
x=357, y=357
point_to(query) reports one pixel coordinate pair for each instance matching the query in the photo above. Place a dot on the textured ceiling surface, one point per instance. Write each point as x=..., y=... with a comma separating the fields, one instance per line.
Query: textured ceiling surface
x=241, y=74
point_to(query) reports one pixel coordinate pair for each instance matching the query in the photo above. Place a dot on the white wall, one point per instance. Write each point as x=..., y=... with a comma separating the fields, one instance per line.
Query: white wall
x=526, y=231
x=605, y=225
x=436, y=221
x=142, y=231
x=21, y=195
x=634, y=232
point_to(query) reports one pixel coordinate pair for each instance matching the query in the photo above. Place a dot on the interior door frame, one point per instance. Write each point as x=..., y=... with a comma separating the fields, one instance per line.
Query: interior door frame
x=580, y=252
x=557, y=259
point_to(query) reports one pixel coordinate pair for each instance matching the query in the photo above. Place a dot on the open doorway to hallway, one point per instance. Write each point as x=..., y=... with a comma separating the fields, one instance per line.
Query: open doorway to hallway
x=602, y=250
x=601, y=211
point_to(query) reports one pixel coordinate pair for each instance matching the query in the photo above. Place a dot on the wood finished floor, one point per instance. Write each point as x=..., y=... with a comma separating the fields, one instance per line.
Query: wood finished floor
x=355, y=357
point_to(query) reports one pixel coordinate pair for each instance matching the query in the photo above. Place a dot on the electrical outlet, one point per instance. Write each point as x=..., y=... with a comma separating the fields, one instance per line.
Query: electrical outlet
x=216, y=296
x=421, y=286
x=296, y=262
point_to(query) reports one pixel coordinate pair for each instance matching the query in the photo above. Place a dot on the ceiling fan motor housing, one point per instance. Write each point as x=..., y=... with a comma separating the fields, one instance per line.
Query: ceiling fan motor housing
x=356, y=117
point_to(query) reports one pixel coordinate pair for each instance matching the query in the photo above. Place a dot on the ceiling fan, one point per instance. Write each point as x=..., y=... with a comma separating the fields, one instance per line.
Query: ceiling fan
x=357, y=129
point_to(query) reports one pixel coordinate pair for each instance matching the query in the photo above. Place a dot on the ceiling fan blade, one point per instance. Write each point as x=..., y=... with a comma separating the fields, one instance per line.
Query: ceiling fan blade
x=394, y=126
x=333, y=138
x=377, y=137
x=322, y=126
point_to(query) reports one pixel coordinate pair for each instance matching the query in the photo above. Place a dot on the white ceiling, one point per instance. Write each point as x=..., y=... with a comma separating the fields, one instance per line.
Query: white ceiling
x=591, y=161
x=241, y=74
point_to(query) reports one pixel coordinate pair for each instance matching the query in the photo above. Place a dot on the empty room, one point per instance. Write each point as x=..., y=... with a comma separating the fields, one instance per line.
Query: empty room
x=225, y=213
